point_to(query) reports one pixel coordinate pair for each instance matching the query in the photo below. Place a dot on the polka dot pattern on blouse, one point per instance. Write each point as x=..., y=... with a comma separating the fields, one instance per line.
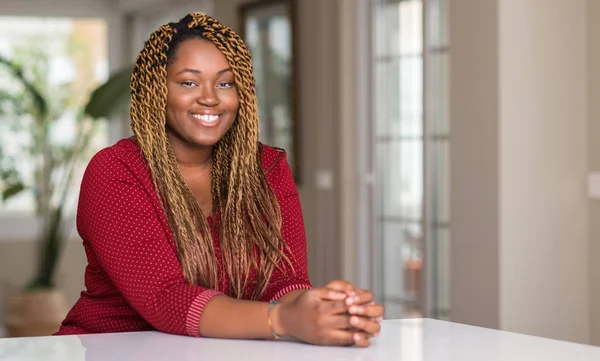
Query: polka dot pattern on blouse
x=133, y=279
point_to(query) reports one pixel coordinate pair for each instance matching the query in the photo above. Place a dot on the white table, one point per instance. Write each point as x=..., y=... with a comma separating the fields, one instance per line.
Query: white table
x=400, y=340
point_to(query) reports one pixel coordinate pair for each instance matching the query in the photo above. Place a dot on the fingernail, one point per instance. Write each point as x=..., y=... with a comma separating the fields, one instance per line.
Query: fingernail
x=354, y=320
x=349, y=301
x=353, y=309
x=379, y=319
x=356, y=337
x=376, y=334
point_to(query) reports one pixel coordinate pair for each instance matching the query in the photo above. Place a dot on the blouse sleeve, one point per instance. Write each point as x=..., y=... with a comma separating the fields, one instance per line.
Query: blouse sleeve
x=282, y=182
x=121, y=222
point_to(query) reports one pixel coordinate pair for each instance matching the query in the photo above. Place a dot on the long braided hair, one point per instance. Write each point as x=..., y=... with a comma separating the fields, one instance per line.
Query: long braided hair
x=248, y=216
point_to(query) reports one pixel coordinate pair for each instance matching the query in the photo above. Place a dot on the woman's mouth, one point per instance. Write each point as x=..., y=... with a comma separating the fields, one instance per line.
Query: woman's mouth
x=207, y=119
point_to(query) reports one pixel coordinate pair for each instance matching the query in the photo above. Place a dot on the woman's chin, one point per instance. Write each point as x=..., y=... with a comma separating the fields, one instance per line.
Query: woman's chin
x=204, y=143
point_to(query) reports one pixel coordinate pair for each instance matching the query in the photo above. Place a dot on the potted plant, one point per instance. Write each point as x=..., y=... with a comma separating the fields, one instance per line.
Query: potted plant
x=33, y=109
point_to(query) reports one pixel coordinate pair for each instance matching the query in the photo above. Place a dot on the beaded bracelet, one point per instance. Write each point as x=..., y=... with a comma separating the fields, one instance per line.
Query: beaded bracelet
x=275, y=335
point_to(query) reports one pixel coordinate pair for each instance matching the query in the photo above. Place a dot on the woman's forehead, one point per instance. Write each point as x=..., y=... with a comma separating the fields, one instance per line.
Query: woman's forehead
x=199, y=54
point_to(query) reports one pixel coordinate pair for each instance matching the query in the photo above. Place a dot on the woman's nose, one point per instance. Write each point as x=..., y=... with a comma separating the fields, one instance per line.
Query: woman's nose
x=207, y=96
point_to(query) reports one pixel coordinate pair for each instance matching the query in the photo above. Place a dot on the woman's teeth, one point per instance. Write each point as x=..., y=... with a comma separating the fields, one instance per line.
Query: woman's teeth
x=206, y=118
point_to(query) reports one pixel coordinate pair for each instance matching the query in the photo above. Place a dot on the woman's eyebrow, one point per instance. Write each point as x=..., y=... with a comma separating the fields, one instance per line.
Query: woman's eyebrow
x=196, y=71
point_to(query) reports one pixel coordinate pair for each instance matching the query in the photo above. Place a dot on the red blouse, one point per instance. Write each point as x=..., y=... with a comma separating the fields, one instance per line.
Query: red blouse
x=133, y=279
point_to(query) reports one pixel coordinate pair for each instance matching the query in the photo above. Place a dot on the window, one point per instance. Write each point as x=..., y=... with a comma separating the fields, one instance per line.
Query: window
x=411, y=143
x=437, y=99
x=67, y=58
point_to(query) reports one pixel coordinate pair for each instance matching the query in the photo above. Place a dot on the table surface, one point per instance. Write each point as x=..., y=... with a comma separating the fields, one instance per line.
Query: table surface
x=400, y=340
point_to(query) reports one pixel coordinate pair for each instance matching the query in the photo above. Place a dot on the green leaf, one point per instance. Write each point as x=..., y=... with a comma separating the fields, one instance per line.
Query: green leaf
x=39, y=101
x=12, y=190
x=111, y=97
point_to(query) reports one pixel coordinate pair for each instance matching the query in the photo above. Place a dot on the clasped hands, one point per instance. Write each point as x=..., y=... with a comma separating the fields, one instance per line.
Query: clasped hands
x=334, y=315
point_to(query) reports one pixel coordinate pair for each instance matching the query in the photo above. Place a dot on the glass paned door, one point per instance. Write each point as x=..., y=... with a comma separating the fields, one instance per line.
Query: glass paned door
x=411, y=142
x=399, y=147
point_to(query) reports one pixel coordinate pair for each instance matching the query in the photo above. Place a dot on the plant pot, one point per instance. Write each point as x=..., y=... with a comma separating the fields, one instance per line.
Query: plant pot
x=412, y=276
x=35, y=313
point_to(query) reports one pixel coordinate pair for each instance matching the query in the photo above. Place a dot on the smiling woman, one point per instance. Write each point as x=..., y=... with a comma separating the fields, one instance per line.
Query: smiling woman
x=193, y=226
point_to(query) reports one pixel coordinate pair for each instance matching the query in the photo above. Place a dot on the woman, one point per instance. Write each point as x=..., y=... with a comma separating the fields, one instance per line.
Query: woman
x=191, y=226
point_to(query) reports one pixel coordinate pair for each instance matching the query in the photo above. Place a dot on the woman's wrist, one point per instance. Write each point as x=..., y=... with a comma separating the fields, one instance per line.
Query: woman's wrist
x=278, y=319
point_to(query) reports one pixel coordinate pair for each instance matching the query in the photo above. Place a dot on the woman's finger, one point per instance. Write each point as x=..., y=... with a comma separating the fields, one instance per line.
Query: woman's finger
x=347, y=338
x=374, y=311
x=361, y=339
x=365, y=324
x=326, y=302
x=362, y=297
x=329, y=294
x=339, y=322
x=341, y=286
x=339, y=338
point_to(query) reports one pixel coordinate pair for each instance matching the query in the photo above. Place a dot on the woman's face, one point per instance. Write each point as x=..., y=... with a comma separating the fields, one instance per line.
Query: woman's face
x=202, y=99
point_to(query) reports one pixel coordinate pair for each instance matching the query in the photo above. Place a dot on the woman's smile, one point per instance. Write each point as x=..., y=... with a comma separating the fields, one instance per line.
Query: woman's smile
x=207, y=120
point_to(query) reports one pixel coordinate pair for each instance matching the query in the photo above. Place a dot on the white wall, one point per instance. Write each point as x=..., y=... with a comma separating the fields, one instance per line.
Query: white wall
x=348, y=152
x=543, y=162
x=474, y=163
x=593, y=76
x=519, y=164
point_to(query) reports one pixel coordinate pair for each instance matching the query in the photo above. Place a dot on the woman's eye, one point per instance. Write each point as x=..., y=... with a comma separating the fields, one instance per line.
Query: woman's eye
x=188, y=83
x=226, y=85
